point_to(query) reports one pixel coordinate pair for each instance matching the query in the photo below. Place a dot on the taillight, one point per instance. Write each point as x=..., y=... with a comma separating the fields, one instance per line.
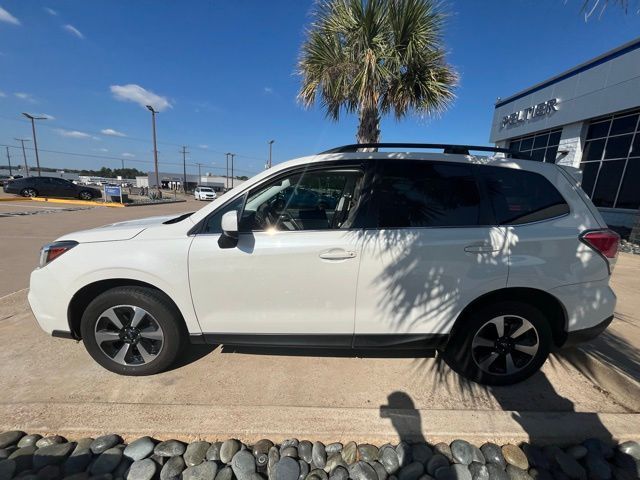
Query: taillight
x=51, y=251
x=604, y=241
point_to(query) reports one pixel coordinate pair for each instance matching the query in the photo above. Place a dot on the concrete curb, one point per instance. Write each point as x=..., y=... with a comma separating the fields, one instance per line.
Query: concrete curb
x=77, y=202
x=189, y=422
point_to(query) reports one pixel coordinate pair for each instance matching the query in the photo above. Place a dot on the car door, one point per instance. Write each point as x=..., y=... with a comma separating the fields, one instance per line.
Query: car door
x=431, y=249
x=291, y=278
x=62, y=188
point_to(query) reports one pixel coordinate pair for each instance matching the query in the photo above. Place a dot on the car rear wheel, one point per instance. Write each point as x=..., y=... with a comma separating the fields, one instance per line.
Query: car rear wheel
x=86, y=195
x=29, y=192
x=133, y=331
x=500, y=344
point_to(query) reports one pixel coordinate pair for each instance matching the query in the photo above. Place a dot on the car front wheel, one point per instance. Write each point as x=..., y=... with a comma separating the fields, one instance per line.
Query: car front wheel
x=86, y=195
x=500, y=344
x=133, y=331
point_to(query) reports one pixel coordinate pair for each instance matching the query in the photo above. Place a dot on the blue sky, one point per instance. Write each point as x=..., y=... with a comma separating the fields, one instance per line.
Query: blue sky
x=224, y=73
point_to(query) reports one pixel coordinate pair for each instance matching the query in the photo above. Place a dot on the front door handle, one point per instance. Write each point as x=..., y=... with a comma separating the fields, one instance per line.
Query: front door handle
x=337, y=254
x=479, y=248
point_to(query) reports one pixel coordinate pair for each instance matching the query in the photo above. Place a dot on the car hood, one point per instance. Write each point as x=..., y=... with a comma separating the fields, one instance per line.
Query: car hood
x=116, y=231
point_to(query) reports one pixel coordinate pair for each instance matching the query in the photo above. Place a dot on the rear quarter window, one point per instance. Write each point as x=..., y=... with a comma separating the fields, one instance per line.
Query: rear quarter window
x=519, y=196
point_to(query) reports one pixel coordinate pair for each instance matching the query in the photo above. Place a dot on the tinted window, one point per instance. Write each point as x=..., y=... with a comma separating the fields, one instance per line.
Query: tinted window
x=608, y=181
x=618, y=147
x=598, y=130
x=593, y=150
x=425, y=194
x=624, y=125
x=629, y=196
x=589, y=174
x=540, y=141
x=520, y=197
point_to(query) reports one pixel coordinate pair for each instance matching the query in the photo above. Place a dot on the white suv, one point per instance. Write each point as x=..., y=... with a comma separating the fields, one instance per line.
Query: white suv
x=493, y=261
x=204, y=193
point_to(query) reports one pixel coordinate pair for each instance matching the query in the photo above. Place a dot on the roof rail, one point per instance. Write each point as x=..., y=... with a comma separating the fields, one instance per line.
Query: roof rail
x=445, y=147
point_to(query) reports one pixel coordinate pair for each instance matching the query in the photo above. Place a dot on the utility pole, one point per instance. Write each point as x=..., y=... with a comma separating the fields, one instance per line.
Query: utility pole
x=155, y=145
x=199, y=173
x=270, y=145
x=9, y=160
x=232, y=156
x=226, y=177
x=24, y=153
x=184, y=168
x=33, y=130
x=122, y=160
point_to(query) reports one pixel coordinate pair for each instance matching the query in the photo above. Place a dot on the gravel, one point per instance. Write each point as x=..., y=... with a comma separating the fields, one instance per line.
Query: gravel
x=31, y=457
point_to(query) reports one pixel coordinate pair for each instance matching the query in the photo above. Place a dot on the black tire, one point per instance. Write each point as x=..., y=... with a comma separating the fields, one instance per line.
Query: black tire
x=465, y=357
x=158, y=308
x=85, y=195
x=29, y=192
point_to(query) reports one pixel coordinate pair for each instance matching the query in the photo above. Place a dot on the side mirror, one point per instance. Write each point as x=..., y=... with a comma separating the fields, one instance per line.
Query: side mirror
x=229, y=224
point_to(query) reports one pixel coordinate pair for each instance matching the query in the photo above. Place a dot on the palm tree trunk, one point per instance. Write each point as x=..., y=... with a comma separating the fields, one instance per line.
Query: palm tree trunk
x=369, y=128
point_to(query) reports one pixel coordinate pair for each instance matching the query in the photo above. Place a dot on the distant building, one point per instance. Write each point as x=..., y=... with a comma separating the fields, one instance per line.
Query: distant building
x=175, y=180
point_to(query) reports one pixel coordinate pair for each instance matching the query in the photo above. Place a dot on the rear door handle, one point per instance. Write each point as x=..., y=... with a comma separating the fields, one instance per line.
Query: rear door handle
x=337, y=254
x=481, y=248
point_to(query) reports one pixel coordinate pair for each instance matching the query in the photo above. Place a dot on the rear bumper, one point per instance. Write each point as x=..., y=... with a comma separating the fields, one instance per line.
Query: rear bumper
x=577, y=337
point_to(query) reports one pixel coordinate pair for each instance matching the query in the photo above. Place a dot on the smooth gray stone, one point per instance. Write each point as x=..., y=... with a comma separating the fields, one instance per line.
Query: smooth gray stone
x=597, y=467
x=570, y=466
x=421, y=452
x=305, y=448
x=105, y=442
x=195, y=453
x=23, y=458
x=78, y=461
x=29, y=440
x=7, y=468
x=334, y=460
x=256, y=476
x=362, y=471
x=10, y=438
x=478, y=457
x=304, y=469
x=515, y=456
x=243, y=464
x=158, y=459
x=289, y=452
x=144, y=469
x=106, y=462
x=50, y=440
x=287, y=468
x=380, y=471
x=516, y=473
x=228, y=449
x=140, y=448
x=496, y=472
x=535, y=456
x=404, y=454
x=368, y=452
x=388, y=457
x=461, y=452
x=52, y=455
x=334, y=447
x=169, y=448
x=461, y=471
x=262, y=447
x=317, y=474
x=350, y=453
x=438, y=460
x=50, y=472
x=202, y=471
x=577, y=451
x=4, y=453
x=318, y=455
x=225, y=473
x=426, y=476
x=122, y=468
x=173, y=469
x=627, y=462
x=289, y=442
x=598, y=446
x=493, y=454
x=84, y=443
x=445, y=473
x=413, y=471
x=540, y=474
x=478, y=471
x=76, y=476
x=630, y=448
x=443, y=449
x=213, y=453
x=273, y=458
x=339, y=473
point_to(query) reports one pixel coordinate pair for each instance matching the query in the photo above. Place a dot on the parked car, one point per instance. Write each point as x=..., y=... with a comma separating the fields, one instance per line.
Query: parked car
x=50, y=187
x=204, y=193
x=492, y=261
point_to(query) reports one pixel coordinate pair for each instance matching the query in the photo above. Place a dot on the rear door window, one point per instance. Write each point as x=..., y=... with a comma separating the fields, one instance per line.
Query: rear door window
x=518, y=196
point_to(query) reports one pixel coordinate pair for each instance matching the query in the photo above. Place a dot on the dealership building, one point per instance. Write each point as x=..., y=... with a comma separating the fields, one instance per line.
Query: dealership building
x=586, y=117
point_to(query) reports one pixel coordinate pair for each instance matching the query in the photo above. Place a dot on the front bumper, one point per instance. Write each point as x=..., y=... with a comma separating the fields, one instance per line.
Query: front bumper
x=576, y=337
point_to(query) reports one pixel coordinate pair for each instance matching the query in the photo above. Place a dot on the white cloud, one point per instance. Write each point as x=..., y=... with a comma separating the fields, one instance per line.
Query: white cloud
x=128, y=155
x=112, y=132
x=72, y=133
x=7, y=17
x=73, y=30
x=268, y=90
x=104, y=150
x=2, y=94
x=25, y=96
x=203, y=146
x=135, y=93
x=51, y=11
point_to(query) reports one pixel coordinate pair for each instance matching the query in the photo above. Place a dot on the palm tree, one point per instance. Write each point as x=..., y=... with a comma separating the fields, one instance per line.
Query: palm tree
x=374, y=57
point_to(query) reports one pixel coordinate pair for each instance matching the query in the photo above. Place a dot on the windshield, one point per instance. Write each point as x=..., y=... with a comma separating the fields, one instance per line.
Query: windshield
x=206, y=189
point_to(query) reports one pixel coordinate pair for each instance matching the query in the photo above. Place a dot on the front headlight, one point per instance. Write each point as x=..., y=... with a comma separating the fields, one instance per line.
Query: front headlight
x=51, y=251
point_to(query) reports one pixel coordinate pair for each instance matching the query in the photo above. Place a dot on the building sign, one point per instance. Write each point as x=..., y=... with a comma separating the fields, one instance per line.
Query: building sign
x=112, y=190
x=539, y=110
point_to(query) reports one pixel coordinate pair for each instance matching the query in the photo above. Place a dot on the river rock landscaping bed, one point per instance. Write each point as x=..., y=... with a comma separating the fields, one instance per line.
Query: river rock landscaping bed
x=34, y=457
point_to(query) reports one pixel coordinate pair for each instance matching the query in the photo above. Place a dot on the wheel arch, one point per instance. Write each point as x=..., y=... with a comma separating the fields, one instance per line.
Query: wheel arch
x=549, y=305
x=86, y=294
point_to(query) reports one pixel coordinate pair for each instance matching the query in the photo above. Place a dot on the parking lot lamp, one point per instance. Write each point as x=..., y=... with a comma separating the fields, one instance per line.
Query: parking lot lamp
x=33, y=130
x=155, y=145
x=24, y=153
x=270, y=145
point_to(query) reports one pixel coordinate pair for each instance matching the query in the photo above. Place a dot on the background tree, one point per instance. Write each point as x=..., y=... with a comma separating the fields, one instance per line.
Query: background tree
x=374, y=57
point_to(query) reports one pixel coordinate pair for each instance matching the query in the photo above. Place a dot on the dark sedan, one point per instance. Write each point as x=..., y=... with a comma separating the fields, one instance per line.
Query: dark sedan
x=50, y=187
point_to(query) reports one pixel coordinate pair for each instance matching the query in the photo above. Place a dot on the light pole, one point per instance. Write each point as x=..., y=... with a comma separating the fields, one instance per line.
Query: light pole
x=184, y=168
x=33, y=130
x=155, y=145
x=232, y=177
x=199, y=173
x=270, y=145
x=9, y=160
x=24, y=153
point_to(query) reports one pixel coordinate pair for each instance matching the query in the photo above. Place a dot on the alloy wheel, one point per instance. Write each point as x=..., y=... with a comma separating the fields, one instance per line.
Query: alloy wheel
x=505, y=345
x=129, y=335
x=29, y=192
x=86, y=196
